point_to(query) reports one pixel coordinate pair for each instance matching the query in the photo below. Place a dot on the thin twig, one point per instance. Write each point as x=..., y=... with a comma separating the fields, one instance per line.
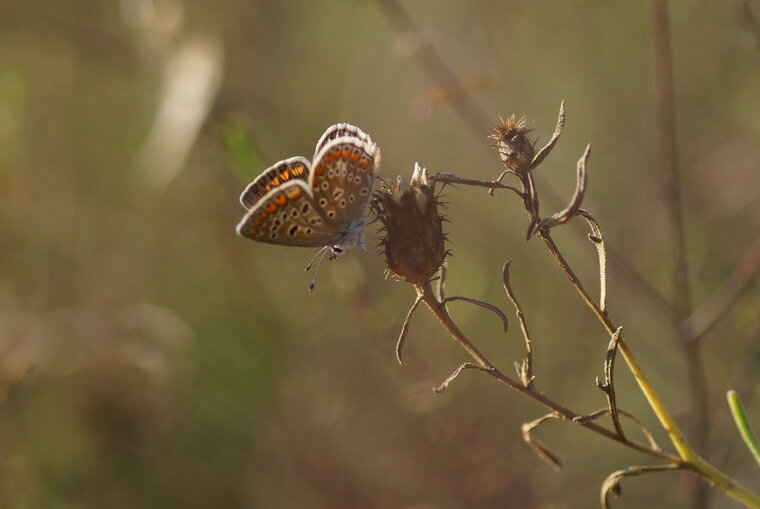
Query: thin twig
x=640, y=425
x=448, y=178
x=405, y=329
x=467, y=365
x=526, y=370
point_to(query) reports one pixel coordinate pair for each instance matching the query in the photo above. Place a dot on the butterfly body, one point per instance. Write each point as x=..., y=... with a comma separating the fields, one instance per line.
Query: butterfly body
x=318, y=204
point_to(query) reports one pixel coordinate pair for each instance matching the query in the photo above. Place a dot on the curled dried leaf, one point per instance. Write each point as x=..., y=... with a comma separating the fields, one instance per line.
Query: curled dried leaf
x=576, y=201
x=499, y=312
x=541, y=155
x=611, y=485
x=598, y=239
x=540, y=448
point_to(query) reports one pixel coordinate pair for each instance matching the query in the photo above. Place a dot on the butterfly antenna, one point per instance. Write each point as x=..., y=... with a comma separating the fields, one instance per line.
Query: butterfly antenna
x=323, y=252
x=320, y=252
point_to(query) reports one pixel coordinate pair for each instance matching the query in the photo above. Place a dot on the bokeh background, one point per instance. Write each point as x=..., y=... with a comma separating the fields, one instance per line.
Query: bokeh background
x=149, y=357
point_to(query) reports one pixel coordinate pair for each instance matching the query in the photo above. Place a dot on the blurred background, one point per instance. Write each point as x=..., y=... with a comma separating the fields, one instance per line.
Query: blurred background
x=149, y=357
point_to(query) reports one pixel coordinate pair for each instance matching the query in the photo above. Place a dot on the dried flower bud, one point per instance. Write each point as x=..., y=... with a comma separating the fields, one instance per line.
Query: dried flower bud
x=414, y=239
x=515, y=147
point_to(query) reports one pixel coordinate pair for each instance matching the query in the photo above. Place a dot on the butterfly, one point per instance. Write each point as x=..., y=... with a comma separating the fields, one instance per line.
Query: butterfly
x=319, y=204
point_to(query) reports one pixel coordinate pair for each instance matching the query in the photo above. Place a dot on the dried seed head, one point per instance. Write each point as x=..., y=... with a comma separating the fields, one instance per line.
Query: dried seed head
x=515, y=147
x=414, y=239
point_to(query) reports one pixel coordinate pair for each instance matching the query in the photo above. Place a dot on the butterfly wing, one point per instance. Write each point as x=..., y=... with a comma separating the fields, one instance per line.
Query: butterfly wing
x=287, y=215
x=339, y=131
x=284, y=171
x=341, y=180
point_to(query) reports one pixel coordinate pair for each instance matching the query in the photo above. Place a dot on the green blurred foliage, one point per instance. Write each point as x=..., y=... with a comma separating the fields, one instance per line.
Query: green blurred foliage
x=149, y=357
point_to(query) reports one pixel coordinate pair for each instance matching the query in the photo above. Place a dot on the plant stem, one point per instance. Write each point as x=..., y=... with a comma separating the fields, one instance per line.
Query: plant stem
x=426, y=294
x=690, y=459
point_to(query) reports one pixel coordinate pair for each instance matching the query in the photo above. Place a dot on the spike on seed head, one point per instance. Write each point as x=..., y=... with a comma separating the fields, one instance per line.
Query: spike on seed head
x=516, y=149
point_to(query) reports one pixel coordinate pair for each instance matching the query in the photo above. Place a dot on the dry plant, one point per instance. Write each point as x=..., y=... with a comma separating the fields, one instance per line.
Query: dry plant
x=413, y=242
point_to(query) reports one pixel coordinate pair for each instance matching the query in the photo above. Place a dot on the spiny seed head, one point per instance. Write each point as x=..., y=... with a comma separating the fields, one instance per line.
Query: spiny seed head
x=515, y=147
x=414, y=239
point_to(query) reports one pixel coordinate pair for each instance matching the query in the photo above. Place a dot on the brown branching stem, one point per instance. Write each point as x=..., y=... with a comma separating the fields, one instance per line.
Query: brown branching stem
x=482, y=363
x=689, y=458
x=435, y=66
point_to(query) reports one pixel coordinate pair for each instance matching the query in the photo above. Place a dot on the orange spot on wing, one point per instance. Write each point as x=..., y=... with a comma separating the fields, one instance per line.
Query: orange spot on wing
x=294, y=193
x=364, y=163
x=328, y=158
x=355, y=157
x=271, y=209
x=321, y=168
x=346, y=153
x=281, y=200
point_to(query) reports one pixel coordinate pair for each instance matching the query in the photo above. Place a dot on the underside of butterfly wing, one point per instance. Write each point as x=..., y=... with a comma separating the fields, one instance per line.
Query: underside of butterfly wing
x=341, y=181
x=287, y=215
x=339, y=131
x=295, y=168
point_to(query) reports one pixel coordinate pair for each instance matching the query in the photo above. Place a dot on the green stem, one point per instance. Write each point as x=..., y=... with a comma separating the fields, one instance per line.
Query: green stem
x=742, y=424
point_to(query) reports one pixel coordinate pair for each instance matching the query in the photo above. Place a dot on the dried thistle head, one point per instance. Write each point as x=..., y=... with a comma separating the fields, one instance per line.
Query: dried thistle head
x=413, y=238
x=515, y=147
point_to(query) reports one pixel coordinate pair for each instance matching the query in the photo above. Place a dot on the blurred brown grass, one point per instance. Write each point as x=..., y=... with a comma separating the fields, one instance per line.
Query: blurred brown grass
x=150, y=357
